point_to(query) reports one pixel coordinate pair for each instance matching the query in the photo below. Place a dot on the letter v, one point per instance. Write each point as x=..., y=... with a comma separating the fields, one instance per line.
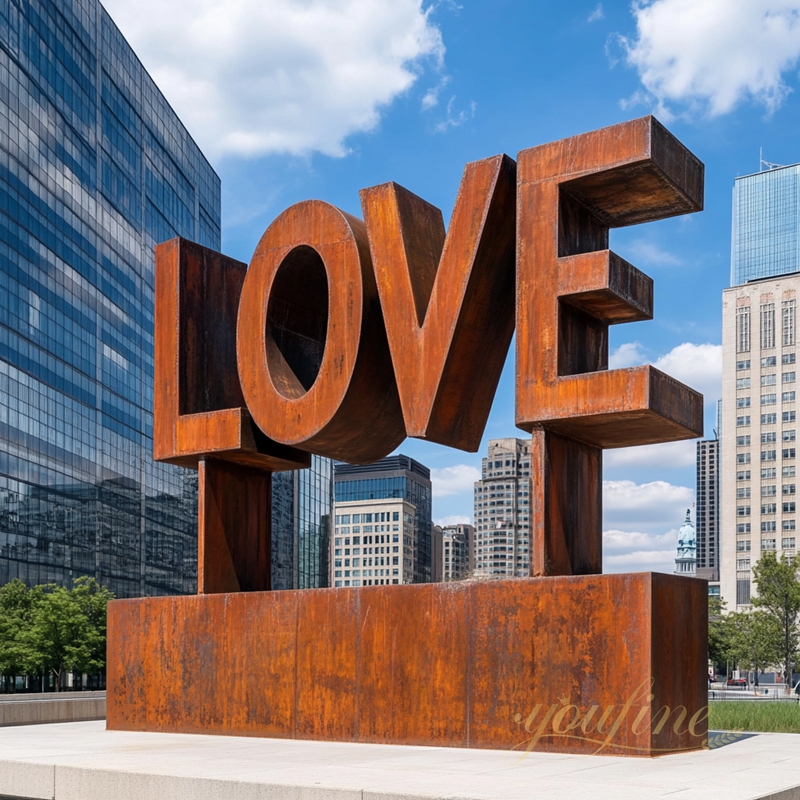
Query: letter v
x=448, y=302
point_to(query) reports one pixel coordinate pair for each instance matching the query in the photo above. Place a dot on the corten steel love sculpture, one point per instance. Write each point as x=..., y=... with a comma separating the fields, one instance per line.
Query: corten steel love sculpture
x=341, y=338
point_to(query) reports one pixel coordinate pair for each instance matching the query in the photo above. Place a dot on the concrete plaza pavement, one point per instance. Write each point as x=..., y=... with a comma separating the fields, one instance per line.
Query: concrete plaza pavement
x=83, y=761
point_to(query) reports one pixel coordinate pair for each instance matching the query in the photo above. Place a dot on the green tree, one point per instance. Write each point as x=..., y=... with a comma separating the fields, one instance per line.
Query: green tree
x=16, y=606
x=67, y=630
x=779, y=596
x=719, y=634
x=755, y=640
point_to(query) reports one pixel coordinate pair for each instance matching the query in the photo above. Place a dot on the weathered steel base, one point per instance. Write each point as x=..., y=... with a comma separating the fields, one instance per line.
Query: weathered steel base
x=459, y=664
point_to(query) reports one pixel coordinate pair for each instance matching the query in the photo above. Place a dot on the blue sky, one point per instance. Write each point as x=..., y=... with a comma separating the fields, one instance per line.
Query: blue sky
x=298, y=99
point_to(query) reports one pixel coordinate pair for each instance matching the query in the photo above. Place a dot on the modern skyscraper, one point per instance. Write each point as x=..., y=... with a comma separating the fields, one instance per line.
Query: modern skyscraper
x=759, y=429
x=766, y=231
x=707, y=517
x=302, y=506
x=383, y=523
x=95, y=169
x=502, y=511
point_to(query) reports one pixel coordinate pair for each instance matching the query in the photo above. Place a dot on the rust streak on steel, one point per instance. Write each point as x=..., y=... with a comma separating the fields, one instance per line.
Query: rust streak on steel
x=570, y=288
x=458, y=664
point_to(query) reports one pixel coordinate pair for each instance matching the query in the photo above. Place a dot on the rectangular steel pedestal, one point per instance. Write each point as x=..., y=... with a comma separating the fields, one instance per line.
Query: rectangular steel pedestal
x=496, y=664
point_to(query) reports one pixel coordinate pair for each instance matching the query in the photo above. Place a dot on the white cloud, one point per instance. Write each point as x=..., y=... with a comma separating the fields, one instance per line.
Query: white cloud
x=597, y=14
x=431, y=97
x=453, y=480
x=669, y=454
x=697, y=365
x=455, y=120
x=626, y=355
x=286, y=76
x=454, y=519
x=655, y=555
x=644, y=253
x=649, y=507
x=709, y=55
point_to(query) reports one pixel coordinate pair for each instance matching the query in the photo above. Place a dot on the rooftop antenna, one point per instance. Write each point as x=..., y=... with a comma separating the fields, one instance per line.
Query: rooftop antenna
x=765, y=166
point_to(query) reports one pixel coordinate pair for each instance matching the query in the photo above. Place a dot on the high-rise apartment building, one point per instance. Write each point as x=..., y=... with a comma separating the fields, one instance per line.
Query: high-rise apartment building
x=302, y=508
x=707, y=515
x=759, y=429
x=502, y=511
x=383, y=524
x=759, y=408
x=765, y=241
x=456, y=555
x=95, y=169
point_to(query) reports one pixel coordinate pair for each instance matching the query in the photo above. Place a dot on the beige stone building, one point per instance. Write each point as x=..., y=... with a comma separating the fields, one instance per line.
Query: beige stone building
x=759, y=430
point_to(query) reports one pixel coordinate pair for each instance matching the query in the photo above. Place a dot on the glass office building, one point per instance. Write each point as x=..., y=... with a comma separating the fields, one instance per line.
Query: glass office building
x=393, y=477
x=766, y=221
x=95, y=169
x=302, y=505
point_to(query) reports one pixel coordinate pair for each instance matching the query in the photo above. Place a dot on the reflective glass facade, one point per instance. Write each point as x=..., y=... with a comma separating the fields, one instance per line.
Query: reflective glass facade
x=394, y=477
x=302, y=504
x=95, y=169
x=766, y=221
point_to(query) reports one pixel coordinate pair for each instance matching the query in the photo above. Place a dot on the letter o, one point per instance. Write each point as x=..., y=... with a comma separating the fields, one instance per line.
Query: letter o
x=311, y=345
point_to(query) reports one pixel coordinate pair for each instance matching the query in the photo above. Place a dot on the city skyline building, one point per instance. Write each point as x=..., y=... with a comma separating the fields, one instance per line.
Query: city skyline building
x=457, y=552
x=302, y=507
x=383, y=527
x=759, y=424
x=95, y=169
x=707, y=514
x=502, y=511
x=765, y=234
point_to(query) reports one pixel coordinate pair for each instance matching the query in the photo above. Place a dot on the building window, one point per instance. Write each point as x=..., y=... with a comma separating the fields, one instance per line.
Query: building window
x=768, y=380
x=768, y=399
x=742, y=402
x=788, y=525
x=743, y=329
x=743, y=475
x=788, y=397
x=788, y=472
x=769, y=419
x=788, y=452
x=767, y=455
x=742, y=563
x=743, y=546
x=766, y=508
x=742, y=441
x=788, y=358
x=742, y=511
x=788, y=436
x=789, y=508
x=768, y=361
x=768, y=438
x=787, y=322
x=742, y=421
x=768, y=527
x=742, y=592
x=743, y=364
x=767, y=325
x=788, y=377
x=767, y=544
x=789, y=416
x=743, y=383
x=768, y=491
x=787, y=543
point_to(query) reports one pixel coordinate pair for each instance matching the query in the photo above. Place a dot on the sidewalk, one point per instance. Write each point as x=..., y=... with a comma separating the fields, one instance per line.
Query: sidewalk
x=82, y=761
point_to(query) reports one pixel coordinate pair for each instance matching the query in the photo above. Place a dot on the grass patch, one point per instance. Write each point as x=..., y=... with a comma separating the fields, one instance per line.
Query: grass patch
x=779, y=717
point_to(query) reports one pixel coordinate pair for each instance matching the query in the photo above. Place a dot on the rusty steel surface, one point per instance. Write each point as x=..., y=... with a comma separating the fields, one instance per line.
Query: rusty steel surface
x=457, y=664
x=570, y=288
x=342, y=337
x=448, y=300
x=313, y=358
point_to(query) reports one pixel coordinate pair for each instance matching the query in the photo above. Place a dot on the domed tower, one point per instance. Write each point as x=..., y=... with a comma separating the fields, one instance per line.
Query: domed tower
x=686, y=562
